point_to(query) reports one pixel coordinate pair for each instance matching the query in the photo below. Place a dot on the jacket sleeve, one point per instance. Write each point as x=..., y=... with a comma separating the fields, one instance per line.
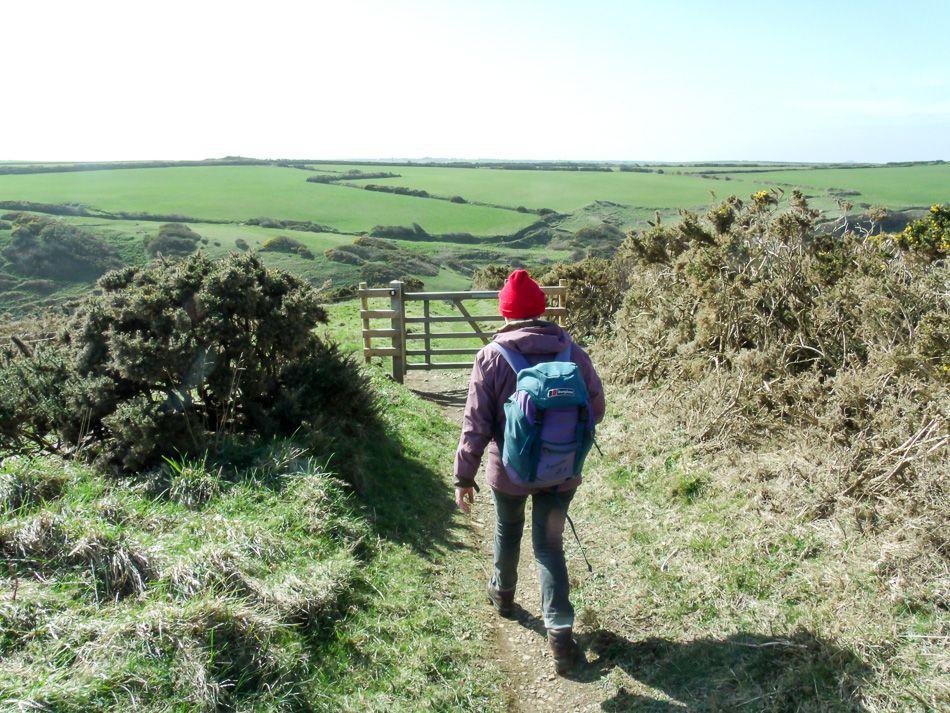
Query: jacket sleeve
x=598, y=402
x=477, y=425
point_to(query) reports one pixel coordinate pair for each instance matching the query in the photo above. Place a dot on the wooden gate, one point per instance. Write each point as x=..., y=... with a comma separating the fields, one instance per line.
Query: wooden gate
x=411, y=337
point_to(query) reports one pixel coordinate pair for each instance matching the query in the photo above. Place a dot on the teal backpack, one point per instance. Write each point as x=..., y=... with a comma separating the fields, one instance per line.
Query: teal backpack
x=548, y=425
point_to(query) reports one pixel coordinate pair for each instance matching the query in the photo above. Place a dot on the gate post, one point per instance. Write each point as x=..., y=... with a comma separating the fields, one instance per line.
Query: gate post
x=367, y=340
x=562, y=301
x=397, y=305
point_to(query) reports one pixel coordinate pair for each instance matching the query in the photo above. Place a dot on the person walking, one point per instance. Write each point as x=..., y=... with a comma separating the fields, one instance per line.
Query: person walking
x=519, y=359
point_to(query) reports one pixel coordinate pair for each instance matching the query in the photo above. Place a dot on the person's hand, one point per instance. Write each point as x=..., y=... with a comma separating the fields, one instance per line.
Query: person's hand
x=464, y=497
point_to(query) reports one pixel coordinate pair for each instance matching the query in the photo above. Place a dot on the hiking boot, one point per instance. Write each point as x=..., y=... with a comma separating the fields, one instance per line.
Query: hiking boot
x=565, y=651
x=503, y=601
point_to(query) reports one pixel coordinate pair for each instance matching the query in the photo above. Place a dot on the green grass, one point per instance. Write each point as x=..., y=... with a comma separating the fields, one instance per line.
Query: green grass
x=241, y=192
x=895, y=187
x=733, y=168
x=707, y=595
x=265, y=586
x=563, y=191
x=424, y=640
x=201, y=601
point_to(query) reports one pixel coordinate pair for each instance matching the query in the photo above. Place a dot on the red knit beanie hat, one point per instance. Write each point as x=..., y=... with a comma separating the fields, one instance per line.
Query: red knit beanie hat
x=521, y=298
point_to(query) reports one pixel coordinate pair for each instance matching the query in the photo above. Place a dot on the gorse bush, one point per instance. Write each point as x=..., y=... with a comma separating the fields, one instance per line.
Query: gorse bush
x=593, y=294
x=490, y=277
x=177, y=357
x=381, y=261
x=754, y=277
x=381, y=273
x=286, y=244
x=48, y=248
x=599, y=241
x=930, y=236
x=399, y=232
x=762, y=327
x=172, y=240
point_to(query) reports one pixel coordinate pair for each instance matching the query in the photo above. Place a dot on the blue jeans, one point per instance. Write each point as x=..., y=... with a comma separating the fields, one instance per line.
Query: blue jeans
x=548, y=513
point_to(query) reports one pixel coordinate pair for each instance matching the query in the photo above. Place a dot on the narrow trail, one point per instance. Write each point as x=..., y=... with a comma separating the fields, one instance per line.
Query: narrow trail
x=520, y=647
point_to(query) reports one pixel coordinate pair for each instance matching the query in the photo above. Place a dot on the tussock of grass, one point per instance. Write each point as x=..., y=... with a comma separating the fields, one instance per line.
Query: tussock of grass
x=47, y=543
x=217, y=609
x=191, y=484
x=19, y=621
x=24, y=485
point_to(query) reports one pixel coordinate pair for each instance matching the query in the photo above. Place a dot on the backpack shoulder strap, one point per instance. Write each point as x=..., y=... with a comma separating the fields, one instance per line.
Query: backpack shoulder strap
x=516, y=360
x=564, y=354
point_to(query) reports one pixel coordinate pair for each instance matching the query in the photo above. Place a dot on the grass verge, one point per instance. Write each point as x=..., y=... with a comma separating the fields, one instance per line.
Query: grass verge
x=708, y=593
x=259, y=583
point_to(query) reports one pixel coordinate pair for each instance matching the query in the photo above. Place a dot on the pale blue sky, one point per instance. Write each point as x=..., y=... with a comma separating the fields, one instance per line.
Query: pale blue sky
x=602, y=79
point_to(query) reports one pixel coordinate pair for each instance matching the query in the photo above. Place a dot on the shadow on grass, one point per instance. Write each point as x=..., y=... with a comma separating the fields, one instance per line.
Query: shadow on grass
x=744, y=671
x=408, y=501
x=446, y=398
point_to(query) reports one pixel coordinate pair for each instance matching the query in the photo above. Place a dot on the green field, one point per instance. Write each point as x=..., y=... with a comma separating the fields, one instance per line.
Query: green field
x=733, y=168
x=563, y=191
x=894, y=187
x=242, y=192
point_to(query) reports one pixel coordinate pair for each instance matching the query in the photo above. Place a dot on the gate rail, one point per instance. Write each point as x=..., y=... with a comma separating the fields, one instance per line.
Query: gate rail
x=399, y=336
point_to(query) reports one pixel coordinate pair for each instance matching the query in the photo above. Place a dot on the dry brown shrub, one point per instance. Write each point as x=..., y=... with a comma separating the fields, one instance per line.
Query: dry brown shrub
x=765, y=335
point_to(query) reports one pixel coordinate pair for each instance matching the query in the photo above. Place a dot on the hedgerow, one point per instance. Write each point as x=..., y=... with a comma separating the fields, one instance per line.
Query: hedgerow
x=381, y=260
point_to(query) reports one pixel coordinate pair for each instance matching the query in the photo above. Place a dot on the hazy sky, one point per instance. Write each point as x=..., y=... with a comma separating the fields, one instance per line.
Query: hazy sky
x=804, y=81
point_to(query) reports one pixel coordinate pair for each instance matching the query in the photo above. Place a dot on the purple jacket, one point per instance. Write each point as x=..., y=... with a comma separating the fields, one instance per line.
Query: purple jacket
x=493, y=381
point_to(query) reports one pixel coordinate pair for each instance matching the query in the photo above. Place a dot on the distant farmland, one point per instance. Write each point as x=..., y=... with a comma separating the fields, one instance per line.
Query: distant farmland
x=564, y=191
x=894, y=187
x=236, y=193
x=458, y=218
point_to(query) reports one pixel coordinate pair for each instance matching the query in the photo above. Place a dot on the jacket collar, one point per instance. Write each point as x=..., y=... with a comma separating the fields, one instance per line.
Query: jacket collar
x=522, y=323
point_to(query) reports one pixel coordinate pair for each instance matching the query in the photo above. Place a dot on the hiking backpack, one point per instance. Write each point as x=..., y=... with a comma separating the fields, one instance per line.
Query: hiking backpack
x=548, y=424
